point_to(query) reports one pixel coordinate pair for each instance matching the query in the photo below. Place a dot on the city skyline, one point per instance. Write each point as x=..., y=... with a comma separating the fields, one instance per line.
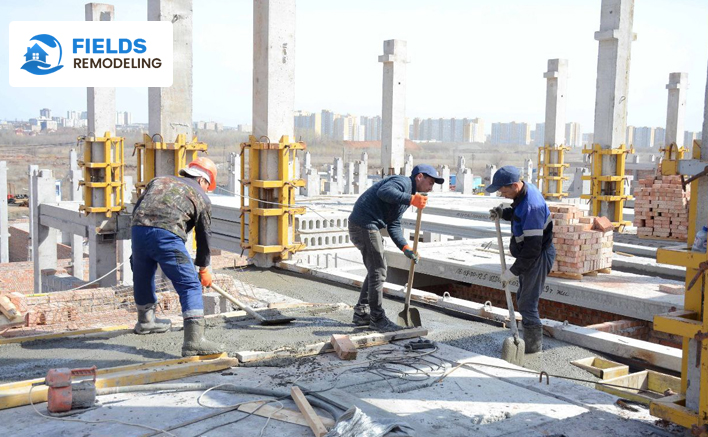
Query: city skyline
x=494, y=56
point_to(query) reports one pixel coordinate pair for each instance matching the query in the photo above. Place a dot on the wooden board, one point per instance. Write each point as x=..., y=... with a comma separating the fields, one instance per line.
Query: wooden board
x=125, y=328
x=282, y=414
x=8, y=309
x=16, y=394
x=578, y=276
x=364, y=340
x=602, y=368
x=343, y=346
x=305, y=408
x=653, y=384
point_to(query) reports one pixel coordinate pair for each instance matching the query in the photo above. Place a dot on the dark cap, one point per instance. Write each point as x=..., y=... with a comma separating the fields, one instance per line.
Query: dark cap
x=506, y=175
x=427, y=170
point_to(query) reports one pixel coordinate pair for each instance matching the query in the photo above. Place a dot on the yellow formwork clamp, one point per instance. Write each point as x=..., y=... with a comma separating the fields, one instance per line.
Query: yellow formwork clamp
x=106, y=175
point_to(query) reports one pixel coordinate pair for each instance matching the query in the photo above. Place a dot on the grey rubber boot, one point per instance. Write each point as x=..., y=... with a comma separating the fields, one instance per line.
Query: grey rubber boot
x=361, y=315
x=148, y=323
x=533, y=337
x=194, y=341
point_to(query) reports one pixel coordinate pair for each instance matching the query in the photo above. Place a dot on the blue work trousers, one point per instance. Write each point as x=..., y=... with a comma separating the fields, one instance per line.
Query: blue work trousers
x=153, y=246
x=531, y=284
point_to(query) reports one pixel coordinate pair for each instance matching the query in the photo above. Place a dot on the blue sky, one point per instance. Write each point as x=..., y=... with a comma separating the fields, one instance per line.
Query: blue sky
x=469, y=58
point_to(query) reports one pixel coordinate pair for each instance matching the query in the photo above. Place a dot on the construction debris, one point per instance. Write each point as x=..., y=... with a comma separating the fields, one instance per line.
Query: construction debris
x=344, y=347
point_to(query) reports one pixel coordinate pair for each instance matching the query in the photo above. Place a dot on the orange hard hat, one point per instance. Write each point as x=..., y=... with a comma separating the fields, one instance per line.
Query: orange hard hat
x=207, y=165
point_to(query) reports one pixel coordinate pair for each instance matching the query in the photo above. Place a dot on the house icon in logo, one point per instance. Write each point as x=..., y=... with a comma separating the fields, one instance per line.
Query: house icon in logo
x=35, y=53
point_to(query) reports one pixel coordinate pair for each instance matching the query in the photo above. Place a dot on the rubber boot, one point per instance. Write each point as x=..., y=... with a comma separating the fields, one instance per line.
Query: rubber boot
x=533, y=337
x=361, y=315
x=194, y=341
x=148, y=323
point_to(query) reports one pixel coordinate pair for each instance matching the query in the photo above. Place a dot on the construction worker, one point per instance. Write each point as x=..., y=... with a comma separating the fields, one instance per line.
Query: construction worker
x=382, y=206
x=166, y=212
x=531, y=245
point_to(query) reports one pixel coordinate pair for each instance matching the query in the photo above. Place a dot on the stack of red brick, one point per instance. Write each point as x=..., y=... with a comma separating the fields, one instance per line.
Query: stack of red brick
x=661, y=208
x=583, y=244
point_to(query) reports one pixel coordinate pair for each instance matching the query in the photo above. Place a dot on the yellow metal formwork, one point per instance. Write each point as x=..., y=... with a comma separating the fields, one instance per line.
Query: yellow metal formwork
x=691, y=322
x=106, y=175
x=147, y=150
x=549, y=171
x=269, y=198
x=608, y=188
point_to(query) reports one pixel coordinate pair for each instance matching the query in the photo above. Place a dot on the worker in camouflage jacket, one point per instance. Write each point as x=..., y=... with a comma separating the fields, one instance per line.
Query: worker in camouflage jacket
x=382, y=206
x=531, y=245
x=165, y=213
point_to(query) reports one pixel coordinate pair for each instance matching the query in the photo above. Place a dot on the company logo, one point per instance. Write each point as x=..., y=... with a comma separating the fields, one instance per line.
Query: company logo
x=36, y=56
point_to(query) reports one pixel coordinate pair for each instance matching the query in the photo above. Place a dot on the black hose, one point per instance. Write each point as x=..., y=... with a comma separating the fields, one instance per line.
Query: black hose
x=333, y=410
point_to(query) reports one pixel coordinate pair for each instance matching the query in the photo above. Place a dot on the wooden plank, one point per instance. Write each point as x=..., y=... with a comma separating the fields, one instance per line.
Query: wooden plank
x=306, y=409
x=364, y=340
x=65, y=334
x=16, y=394
x=8, y=309
x=343, y=346
x=282, y=414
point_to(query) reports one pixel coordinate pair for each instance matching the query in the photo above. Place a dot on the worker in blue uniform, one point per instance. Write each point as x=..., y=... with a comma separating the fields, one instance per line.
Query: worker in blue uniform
x=531, y=245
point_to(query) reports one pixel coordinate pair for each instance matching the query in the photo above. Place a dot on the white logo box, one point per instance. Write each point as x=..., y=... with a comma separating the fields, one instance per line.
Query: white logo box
x=157, y=36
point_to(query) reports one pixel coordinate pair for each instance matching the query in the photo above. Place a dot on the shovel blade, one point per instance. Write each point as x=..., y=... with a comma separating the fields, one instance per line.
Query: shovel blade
x=513, y=351
x=409, y=318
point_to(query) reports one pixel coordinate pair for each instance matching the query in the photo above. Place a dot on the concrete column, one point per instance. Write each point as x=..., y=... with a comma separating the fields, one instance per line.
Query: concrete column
x=444, y=172
x=676, y=108
x=349, y=183
x=578, y=186
x=365, y=160
x=76, y=195
x=170, y=109
x=528, y=171
x=361, y=173
x=234, y=174
x=393, y=111
x=465, y=181
x=490, y=169
x=554, y=132
x=312, y=180
x=460, y=162
x=339, y=175
x=44, y=239
x=408, y=165
x=4, y=231
x=101, y=119
x=273, y=93
x=615, y=41
x=125, y=249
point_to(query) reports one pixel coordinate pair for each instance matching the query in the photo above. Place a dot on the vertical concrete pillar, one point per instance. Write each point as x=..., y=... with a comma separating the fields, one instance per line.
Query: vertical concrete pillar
x=44, y=239
x=76, y=195
x=4, y=231
x=170, y=108
x=361, y=177
x=101, y=119
x=578, y=186
x=338, y=176
x=676, y=108
x=273, y=93
x=234, y=174
x=393, y=111
x=556, y=86
x=408, y=165
x=490, y=169
x=312, y=181
x=349, y=183
x=615, y=42
x=528, y=171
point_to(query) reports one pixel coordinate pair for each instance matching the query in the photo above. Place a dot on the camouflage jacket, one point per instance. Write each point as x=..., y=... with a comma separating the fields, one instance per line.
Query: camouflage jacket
x=177, y=205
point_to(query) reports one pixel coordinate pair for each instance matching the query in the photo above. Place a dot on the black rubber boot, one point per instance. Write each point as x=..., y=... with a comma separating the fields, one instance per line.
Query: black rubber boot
x=361, y=315
x=148, y=323
x=194, y=341
x=533, y=337
x=384, y=325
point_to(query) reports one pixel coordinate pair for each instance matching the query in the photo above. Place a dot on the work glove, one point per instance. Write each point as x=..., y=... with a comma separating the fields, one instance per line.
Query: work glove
x=496, y=212
x=205, y=277
x=408, y=252
x=419, y=200
x=507, y=276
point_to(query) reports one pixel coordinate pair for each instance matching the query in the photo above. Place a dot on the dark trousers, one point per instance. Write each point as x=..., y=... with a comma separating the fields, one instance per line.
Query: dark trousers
x=371, y=245
x=153, y=246
x=531, y=284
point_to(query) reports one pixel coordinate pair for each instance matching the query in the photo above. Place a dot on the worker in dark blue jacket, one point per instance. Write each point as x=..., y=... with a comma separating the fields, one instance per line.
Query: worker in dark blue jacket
x=531, y=245
x=382, y=206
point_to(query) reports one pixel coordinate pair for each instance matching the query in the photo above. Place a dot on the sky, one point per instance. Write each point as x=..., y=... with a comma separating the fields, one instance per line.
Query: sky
x=468, y=58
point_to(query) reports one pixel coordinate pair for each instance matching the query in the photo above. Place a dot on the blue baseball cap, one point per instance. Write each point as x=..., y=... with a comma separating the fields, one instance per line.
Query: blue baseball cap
x=427, y=170
x=506, y=175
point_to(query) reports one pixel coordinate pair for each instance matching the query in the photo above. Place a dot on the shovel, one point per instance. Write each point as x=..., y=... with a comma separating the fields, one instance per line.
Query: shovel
x=513, y=348
x=410, y=317
x=251, y=311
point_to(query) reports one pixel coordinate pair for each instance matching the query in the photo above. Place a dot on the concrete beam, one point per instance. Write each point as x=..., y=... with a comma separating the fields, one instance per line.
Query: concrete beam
x=393, y=107
x=44, y=238
x=556, y=91
x=76, y=195
x=676, y=108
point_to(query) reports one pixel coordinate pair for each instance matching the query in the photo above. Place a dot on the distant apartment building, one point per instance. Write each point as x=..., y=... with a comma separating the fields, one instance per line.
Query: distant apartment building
x=327, y=120
x=245, y=128
x=538, y=135
x=688, y=138
x=48, y=125
x=573, y=135
x=45, y=113
x=659, y=137
x=124, y=118
x=447, y=130
x=511, y=133
x=372, y=126
x=308, y=124
x=588, y=140
x=473, y=131
x=345, y=128
x=642, y=137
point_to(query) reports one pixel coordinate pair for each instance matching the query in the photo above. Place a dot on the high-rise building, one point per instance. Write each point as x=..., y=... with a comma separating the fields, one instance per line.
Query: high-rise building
x=328, y=123
x=659, y=137
x=473, y=130
x=373, y=127
x=45, y=113
x=688, y=138
x=307, y=123
x=643, y=137
x=588, y=140
x=344, y=127
x=539, y=135
x=511, y=133
x=573, y=135
x=124, y=118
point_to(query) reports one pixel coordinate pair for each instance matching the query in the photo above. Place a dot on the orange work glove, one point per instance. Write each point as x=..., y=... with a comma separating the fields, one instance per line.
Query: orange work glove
x=419, y=200
x=205, y=277
x=408, y=252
